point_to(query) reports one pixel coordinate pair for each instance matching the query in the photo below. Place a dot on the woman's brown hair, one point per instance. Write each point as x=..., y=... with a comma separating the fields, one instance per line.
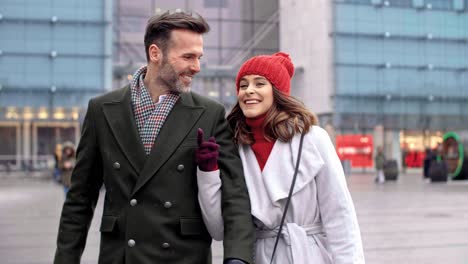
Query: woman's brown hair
x=286, y=117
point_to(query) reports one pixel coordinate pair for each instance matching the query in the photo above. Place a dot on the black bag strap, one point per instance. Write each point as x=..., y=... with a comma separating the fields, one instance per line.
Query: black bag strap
x=289, y=198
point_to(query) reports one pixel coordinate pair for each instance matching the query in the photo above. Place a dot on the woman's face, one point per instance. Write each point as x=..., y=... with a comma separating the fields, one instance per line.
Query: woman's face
x=255, y=95
x=68, y=151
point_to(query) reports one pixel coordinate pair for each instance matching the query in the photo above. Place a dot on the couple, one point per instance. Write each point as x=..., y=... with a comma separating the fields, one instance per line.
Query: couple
x=169, y=191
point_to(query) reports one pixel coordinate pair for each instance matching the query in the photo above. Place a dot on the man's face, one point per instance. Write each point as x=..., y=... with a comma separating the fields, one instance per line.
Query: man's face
x=181, y=61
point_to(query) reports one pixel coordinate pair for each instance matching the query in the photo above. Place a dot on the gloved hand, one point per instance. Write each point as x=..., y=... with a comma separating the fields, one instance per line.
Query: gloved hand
x=234, y=261
x=206, y=155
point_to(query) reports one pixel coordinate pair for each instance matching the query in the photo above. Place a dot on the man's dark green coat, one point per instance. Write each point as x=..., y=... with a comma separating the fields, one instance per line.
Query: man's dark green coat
x=151, y=210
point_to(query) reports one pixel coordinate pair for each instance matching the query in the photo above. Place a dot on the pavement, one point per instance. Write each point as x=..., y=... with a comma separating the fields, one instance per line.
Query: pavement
x=408, y=221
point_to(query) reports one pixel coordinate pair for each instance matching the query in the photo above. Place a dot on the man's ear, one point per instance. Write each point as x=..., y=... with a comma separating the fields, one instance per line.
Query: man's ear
x=154, y=53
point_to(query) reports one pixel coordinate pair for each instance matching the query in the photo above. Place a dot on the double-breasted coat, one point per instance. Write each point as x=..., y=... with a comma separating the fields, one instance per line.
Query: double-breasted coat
x=321, y=224
x=151, y=211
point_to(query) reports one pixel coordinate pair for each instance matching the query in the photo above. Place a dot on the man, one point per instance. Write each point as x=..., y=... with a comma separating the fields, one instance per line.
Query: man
x=140, y=142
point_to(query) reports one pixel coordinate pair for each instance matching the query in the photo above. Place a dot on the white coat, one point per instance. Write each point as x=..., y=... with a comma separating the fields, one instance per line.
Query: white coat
x=321, y=224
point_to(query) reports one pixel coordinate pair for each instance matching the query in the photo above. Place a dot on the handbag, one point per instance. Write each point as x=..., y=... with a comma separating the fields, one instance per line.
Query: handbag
x=289, y=198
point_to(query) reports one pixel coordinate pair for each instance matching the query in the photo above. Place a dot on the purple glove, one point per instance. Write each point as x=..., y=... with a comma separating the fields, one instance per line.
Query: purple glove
x=206, y=155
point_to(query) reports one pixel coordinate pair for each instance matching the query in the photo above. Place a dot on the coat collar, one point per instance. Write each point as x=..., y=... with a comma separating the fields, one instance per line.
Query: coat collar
x=277, y=175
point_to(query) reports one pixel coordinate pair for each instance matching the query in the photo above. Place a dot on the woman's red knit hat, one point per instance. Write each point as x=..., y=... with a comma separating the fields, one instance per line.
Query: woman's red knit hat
x=277, y=68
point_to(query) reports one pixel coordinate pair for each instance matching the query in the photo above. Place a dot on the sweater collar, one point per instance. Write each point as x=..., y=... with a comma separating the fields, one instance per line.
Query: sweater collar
x=256, y=126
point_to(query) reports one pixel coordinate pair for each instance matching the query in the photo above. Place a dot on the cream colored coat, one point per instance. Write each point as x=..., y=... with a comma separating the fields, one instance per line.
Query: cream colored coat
x=321, y=224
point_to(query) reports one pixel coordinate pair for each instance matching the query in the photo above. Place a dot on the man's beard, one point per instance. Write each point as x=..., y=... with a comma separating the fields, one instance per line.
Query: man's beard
x=170, y=78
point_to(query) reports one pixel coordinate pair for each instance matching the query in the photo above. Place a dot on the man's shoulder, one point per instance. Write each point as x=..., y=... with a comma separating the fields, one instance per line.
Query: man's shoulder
x=113, y=95
x=202, y=100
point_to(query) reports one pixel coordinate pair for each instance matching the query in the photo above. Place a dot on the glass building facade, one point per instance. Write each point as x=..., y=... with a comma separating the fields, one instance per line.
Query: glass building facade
x=394, y=71
x=402, y=64
x=401, y=72
x=54, y=56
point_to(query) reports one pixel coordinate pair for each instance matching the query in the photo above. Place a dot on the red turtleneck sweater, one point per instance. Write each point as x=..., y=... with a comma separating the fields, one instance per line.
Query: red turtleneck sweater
x=261, y=147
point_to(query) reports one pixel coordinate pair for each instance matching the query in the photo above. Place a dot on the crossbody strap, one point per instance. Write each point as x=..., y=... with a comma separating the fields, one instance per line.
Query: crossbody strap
x=289, y=198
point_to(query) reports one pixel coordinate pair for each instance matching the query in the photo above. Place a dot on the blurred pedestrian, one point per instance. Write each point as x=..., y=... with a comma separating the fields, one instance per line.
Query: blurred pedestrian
x=404, y=154
x=140, y=141
x=379, y=165
x=57, y=158
x=272, y=129
x=429, y=158
x=66, y=164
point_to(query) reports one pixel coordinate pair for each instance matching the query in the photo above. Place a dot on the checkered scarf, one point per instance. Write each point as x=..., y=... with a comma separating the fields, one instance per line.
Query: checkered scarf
x=149, y=116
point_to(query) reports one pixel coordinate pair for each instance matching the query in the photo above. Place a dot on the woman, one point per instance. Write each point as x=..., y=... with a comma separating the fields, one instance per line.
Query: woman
x=321, y=224
x=66, y=164
x=57, y=158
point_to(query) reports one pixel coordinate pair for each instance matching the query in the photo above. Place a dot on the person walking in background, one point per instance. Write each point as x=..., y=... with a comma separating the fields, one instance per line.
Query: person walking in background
x=429, y=157
x=379, y=165
x=404, y=154
x=57, y=158
x=321, y=224
x=66, y=164
x=140, y=142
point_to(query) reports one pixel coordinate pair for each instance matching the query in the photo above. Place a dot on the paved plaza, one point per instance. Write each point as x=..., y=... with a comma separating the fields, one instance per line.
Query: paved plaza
x=409, y=221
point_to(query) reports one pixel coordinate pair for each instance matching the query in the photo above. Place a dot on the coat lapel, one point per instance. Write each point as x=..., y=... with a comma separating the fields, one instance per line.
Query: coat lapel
x=279, y=169
x=178, y=124
x=119, y=116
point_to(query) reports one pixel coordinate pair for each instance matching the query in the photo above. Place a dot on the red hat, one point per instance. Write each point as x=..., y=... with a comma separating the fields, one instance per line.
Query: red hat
x=277, y=68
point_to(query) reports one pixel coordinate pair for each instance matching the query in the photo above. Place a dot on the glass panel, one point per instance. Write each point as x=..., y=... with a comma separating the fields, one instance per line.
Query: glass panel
x=358, y=1
x=45, y=140
x=216, y=3
x=7, y=140
x=8, y=149
x=440, y=4
x=66, y=134
x=401, y=3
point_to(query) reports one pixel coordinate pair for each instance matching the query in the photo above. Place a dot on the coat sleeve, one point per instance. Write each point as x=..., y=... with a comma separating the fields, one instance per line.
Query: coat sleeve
x=78, y=209
x=239, y=235
x=335, y=204
x=209, y=197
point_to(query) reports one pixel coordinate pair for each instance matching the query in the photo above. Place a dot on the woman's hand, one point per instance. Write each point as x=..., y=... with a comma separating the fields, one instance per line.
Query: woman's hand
x=206, y=155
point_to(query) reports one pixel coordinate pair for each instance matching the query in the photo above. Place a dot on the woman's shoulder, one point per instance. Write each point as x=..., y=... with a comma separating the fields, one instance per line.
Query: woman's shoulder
x=317, y=132
x=318, y=137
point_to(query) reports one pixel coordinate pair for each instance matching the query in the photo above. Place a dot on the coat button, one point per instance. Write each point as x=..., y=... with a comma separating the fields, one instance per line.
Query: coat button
x=166, y=245
x=167, y=205
x=180, y=167
x=131, y=243
x=116, y=165
x=133, y=202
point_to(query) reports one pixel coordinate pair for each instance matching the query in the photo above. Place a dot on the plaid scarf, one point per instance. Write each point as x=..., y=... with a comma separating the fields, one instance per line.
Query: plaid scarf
x=149, y=116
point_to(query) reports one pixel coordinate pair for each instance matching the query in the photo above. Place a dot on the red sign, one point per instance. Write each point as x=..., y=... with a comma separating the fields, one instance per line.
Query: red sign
x=356, y=148
x=414, y=159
